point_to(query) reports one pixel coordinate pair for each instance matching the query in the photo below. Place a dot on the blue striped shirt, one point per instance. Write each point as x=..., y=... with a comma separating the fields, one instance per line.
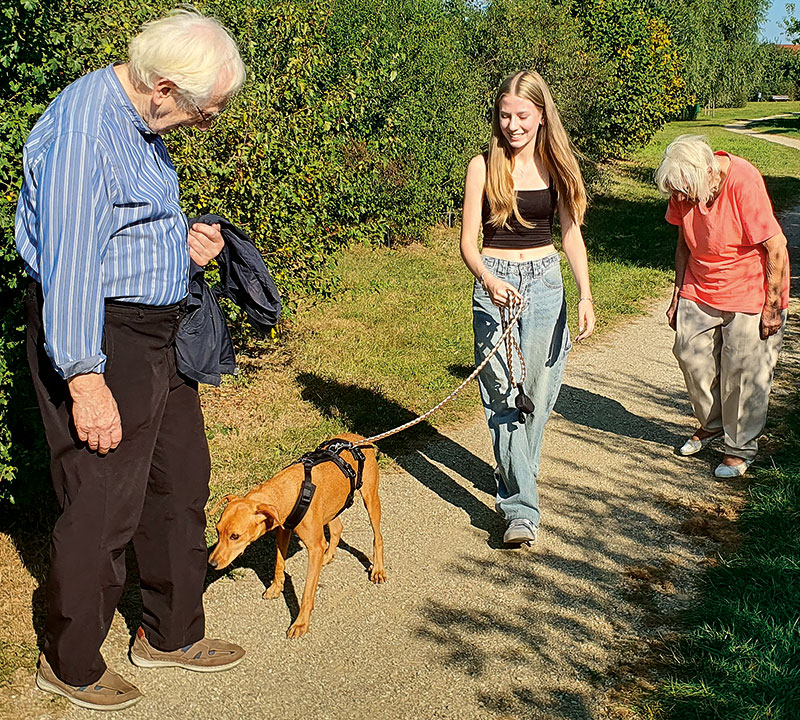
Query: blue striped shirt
x=98, y=217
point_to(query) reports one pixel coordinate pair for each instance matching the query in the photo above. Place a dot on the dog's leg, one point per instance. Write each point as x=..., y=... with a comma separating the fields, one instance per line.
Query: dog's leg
x=282, y=542
x=335, y=526
x=369, y=493
x=316, y=552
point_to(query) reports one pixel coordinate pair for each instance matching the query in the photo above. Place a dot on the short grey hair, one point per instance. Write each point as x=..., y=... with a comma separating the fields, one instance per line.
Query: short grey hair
x=684, y=168
x=191, y=50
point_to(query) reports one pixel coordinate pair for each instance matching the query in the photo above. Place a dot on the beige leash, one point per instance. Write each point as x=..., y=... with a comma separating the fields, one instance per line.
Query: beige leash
x=508, y=326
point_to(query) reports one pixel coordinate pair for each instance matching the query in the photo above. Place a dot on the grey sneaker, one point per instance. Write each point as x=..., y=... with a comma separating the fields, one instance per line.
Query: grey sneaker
x=520, y=531
x=205, y=655
x=110, y=692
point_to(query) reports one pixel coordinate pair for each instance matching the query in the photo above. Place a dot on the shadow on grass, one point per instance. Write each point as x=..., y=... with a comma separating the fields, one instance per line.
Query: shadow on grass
x=630, y=230
x=777, y=125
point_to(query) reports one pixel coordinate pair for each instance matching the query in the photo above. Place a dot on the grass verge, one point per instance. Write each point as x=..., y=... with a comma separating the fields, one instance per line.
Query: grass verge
x=738, y=656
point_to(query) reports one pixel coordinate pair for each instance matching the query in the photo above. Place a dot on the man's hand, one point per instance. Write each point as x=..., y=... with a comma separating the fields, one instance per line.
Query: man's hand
x=205, y=243
x=94, y=412
x=771, y=321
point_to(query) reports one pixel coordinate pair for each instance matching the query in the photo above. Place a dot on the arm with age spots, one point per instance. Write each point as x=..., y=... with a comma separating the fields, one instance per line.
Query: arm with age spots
x=776, y=252
x=681, y=259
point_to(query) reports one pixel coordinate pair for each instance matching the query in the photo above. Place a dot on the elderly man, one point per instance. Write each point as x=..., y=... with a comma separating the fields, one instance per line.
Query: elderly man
x=101, y=231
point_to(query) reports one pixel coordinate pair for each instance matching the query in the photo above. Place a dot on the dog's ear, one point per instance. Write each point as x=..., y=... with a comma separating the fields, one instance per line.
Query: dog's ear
x=270, y=514
x=223, y=499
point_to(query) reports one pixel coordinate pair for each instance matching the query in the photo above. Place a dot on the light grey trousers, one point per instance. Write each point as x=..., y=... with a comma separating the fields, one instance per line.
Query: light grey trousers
x=728, y=371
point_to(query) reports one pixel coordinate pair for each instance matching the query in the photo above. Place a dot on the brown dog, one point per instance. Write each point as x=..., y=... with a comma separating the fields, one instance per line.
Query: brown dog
x=268, y=505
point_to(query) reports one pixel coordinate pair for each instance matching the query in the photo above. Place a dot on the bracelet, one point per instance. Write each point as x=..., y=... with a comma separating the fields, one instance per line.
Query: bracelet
x=587, y=299
x=480, y=279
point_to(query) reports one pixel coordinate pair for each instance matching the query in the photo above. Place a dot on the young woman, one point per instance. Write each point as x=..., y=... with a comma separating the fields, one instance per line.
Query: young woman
x=512, y=193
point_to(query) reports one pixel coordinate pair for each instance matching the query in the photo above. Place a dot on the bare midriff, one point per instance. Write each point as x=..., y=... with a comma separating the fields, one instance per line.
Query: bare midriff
x=521, y=255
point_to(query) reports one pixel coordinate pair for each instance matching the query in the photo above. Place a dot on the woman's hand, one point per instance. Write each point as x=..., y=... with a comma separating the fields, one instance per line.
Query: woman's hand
x=672, y=314
x=501, y=293
x=586, y=318
x=771, y=321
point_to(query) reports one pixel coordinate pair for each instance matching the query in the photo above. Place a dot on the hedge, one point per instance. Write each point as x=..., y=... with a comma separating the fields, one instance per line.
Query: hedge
x=355, y=125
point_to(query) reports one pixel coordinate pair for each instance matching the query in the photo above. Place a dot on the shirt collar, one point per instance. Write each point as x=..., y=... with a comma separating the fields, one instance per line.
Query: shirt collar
x=122, y=101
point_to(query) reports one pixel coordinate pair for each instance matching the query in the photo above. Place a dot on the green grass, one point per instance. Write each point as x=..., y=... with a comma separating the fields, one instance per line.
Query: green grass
x=740, y=656
x=14, y=656
x=397, y=336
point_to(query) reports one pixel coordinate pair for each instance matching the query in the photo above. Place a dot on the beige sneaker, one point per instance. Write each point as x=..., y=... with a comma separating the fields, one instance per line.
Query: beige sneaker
x=110, y=692
x=205, y=655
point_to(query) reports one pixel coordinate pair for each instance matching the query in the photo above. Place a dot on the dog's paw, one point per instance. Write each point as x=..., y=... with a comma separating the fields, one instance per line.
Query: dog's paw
x=296, y=630
x=377, y=576
x=272, y=592
x=328, y=558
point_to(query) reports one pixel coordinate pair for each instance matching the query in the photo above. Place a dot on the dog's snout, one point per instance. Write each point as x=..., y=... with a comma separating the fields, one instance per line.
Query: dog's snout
x=212, y=562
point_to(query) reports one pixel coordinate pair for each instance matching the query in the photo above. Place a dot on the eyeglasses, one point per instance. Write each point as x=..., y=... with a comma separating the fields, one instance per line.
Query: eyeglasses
x=205, y=117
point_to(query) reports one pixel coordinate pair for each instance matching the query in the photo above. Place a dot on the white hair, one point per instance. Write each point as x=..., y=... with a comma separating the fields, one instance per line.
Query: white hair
x=685, y=168
x=191, y=50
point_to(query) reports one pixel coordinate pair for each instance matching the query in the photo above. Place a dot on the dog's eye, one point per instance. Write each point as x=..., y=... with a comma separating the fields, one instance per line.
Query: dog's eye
x=234, y=536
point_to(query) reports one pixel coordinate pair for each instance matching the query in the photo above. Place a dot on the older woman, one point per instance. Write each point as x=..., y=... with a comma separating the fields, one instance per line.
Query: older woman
x=731, y=294
x=102, y=234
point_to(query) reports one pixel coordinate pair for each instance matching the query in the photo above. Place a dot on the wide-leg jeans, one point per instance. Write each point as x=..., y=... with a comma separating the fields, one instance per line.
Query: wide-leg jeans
x=544, y=340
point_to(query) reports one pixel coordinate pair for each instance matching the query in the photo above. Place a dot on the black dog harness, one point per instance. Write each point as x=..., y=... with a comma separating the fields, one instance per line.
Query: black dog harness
x=329, y=451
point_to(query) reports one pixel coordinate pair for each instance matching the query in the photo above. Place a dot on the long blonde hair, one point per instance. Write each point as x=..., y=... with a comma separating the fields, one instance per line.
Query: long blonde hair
x=552, y=144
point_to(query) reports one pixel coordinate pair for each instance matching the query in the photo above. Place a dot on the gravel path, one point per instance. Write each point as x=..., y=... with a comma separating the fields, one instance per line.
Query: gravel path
x=463, y=628
x=740, y=126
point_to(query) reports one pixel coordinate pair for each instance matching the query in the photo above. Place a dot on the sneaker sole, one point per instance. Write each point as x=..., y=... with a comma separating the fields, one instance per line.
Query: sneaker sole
x=47, y=686
x=150, y=663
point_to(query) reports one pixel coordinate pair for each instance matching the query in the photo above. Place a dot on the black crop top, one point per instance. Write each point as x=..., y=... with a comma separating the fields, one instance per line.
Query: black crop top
x=536, y=207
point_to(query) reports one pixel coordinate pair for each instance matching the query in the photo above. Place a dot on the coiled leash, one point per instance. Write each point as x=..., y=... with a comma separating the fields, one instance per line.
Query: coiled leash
x=522, y=401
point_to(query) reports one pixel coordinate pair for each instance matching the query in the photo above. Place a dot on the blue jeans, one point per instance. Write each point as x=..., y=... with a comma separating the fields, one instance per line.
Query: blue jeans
x=543, y=337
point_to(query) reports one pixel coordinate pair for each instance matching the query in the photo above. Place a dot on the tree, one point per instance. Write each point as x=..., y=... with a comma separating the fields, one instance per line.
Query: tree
x=791, y=23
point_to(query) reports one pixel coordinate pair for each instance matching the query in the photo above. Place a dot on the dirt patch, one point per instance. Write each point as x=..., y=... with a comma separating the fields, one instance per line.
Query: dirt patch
x=20, y=608
x=715, y=522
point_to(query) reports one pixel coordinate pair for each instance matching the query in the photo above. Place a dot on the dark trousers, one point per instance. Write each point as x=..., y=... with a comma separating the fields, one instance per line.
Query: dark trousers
x=151, y=490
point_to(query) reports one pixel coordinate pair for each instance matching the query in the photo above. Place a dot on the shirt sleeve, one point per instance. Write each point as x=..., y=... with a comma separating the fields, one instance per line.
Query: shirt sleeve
x=755, y=209
x=73, y=229
x=674, y=215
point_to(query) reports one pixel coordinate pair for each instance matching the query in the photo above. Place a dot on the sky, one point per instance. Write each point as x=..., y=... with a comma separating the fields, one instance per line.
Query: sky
x=771, y=31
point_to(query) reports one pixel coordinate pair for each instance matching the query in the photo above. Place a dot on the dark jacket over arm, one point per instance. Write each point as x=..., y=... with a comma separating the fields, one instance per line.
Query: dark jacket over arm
x=203, y=343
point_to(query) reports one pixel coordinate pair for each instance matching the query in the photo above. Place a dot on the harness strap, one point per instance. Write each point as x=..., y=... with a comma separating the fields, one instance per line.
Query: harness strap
x=327, y=452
